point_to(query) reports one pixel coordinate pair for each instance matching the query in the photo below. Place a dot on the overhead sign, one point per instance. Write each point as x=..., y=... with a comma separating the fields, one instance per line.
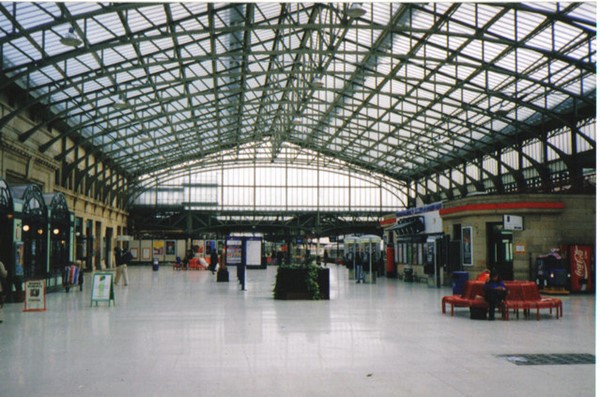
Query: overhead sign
x=513, y=222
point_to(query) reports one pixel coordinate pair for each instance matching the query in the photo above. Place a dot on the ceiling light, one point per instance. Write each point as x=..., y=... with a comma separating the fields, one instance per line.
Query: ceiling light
x=319, y=83
x=356, y=10
x=70, y=39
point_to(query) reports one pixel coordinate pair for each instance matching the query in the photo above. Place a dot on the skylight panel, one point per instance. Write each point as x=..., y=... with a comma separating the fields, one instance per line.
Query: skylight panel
x=491, y=51
x=504, y=27
x=20, y=52
x=151, y=16
x=564, y=35
x=485, y=12
x=31, y=14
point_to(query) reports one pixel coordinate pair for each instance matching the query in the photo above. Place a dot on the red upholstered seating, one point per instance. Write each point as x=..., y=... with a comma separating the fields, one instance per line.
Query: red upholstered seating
x=522, y=295
x=531, y=294
x=472, y=296
x=514, y=299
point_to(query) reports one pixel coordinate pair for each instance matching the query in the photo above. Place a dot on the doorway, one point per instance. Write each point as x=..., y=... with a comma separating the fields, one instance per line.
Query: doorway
x=500, y=250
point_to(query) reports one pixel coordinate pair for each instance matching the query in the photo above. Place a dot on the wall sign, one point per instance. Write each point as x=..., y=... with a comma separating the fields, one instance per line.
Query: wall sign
x=512, y=222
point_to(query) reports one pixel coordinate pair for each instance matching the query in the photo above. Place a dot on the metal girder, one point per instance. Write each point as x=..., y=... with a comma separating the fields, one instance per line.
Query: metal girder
x=413, y=91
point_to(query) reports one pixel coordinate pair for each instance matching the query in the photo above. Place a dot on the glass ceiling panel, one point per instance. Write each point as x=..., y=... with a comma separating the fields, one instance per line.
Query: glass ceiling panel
x=230, y=91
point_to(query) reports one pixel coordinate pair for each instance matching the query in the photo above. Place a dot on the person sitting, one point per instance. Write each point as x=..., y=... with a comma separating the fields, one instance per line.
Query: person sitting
x=494, y=293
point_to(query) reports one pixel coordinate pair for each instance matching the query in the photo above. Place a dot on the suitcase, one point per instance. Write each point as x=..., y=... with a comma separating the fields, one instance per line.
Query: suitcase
x=478, y=313
x=223, y=276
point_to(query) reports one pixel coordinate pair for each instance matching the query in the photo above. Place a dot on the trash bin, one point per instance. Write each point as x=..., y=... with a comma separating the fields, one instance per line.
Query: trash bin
x=458, y=282
x=408, y=275
x=155, y=264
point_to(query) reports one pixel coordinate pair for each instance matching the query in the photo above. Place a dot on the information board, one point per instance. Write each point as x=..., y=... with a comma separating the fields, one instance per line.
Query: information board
x=103, y=288
x=234, y=251
x=35, y=296
x=512, y=222
x=253, y=252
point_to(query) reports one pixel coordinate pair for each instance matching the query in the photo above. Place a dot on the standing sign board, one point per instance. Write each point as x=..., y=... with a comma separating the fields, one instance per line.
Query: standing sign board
x=35, y=296
x=103, y=288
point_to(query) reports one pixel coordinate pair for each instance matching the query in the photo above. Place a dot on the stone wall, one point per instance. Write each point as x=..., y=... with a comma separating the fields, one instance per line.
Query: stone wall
x=543, y=228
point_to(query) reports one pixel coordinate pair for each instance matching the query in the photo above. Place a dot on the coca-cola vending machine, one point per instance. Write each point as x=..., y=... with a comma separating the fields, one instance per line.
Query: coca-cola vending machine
x=581, y=267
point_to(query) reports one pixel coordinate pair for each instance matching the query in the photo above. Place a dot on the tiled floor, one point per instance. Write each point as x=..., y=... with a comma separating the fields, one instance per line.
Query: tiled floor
x=182, y=334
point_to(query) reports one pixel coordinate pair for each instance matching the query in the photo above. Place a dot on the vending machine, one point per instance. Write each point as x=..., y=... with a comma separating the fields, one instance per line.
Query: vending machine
x=581, y=267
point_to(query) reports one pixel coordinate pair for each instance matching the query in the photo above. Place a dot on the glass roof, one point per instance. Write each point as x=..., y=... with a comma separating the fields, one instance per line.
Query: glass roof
x=406, y=90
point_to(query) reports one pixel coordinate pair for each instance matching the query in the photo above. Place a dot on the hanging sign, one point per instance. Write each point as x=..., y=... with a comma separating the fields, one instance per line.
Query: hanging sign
x=103, y=288
x=35, y=296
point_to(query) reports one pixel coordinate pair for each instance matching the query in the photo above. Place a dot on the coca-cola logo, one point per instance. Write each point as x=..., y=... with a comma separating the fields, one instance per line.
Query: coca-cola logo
x=580, y=267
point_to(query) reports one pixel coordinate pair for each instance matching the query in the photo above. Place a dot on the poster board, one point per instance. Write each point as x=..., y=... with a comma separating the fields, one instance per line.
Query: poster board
x=103, y=288
x=253, y=252
x=467, y=246
x=234, y=251
x=35, y=296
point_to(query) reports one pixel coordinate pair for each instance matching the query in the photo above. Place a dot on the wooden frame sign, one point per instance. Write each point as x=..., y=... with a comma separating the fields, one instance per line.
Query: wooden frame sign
x=103, y=288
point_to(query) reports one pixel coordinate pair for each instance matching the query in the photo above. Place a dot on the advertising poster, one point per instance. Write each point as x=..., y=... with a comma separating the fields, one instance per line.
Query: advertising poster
x=19, y=255
x=467, y=246
x=102, y=288
x=159, y=247
x=234, y=252
x=170, y=247
x=35, y=295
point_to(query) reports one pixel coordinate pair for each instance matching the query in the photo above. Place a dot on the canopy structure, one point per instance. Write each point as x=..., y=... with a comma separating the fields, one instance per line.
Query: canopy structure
x=442, y=99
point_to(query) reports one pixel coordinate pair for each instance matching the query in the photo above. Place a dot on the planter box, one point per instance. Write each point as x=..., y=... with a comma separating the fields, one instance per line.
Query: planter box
x=290, y=283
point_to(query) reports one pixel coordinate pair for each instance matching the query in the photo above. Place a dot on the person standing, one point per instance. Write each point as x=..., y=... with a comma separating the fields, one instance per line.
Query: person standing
x=127, y=257
x=121, y=260
x=79, y=264
x=3, y=275
x=214, y=260
x=118, y=261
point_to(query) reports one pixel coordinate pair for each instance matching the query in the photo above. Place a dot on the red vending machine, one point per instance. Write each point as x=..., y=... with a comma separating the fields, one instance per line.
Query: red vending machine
x=581, y=268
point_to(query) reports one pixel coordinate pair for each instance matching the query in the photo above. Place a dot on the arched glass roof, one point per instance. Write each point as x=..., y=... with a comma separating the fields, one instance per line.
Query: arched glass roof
x=405, y=91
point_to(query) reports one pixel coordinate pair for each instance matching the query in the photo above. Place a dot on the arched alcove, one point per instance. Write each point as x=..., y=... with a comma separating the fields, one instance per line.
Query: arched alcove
x=34, y=217
x=59, y=219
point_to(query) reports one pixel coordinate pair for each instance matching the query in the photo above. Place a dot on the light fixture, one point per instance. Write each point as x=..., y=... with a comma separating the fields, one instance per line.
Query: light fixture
x=25, y=228
x=318, y=82
x=40, y=231
x=55, y=231
x=356, y=10
x=70, y=39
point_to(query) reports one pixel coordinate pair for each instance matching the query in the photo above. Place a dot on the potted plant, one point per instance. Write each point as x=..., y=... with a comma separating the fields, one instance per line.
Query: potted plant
x=301, y=282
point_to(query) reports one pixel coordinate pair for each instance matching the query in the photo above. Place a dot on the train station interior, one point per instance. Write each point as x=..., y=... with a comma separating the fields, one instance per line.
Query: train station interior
x=266, y=199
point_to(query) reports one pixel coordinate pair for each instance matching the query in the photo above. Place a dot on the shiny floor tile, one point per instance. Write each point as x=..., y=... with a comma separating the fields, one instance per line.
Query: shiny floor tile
x=173, y=333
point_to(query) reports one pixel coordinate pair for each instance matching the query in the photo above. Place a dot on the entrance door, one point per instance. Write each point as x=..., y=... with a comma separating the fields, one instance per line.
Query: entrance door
x=500, y=250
